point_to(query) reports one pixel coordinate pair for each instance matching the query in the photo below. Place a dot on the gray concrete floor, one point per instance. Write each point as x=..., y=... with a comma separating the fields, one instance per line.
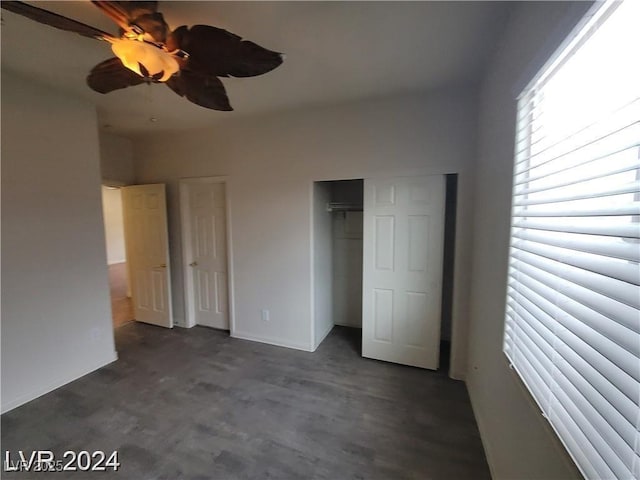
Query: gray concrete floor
x=197, y=404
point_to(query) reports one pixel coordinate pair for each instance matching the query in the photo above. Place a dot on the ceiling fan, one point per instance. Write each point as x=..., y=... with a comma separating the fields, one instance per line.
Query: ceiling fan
x=188, y=60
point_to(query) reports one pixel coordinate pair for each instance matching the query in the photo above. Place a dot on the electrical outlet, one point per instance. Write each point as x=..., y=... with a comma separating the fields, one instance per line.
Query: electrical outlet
x=265, y=315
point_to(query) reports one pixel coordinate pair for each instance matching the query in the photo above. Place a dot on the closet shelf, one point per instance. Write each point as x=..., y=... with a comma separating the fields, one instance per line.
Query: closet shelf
x=344, y=207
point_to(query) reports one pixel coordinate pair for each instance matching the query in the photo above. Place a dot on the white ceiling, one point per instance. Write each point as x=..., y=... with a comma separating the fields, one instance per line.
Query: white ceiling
x=335, y=52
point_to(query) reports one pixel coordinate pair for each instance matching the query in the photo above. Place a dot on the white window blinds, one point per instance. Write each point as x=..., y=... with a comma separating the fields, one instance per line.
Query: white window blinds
x=572, y=328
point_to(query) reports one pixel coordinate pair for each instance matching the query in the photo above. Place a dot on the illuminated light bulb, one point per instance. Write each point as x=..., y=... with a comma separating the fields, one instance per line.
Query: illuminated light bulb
x=132, y=53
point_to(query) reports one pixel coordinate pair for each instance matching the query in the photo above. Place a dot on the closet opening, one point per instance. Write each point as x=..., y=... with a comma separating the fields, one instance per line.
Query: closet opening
x=338, y=209
x=409, y=233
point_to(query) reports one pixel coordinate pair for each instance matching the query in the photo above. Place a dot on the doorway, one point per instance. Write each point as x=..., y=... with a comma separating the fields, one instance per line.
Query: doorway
x=119, y=287
x=206, y=245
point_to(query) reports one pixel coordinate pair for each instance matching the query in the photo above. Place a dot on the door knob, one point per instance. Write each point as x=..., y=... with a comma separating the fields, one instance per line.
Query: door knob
x=162, y=265
x=193, y=264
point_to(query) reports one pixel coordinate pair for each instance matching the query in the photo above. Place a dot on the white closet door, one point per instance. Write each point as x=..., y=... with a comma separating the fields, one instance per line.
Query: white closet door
x=402, y=269
x=208, y=249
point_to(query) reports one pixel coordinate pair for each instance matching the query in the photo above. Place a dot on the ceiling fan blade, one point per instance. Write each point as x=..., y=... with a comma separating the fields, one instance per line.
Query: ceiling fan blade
x=112, y=75
x=204, y=90
x=215, y=51
x=144, y=15
x=54, y=20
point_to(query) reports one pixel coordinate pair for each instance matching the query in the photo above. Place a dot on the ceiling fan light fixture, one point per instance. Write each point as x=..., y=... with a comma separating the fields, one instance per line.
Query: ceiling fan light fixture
x=133, y=53
x=189, y=60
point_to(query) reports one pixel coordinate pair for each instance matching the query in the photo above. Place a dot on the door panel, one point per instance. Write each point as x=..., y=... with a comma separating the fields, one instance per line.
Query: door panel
x=145, y=222
x=207, y=252
x=202, y=282
x=383, y=314
x=415, y=333
x=384, y=242
x=418, y=248
x=402, y=269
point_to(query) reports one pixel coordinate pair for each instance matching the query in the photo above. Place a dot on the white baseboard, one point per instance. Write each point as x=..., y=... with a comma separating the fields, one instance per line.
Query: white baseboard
x=272, y=341
x=115, y=262
x=180, y=322
x=57, y=383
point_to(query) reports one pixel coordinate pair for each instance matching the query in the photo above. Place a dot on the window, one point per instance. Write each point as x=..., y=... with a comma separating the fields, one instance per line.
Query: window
x=572, y=328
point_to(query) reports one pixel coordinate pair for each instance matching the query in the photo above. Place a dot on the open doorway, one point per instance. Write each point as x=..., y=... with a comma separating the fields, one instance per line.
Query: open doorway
x=119, y=288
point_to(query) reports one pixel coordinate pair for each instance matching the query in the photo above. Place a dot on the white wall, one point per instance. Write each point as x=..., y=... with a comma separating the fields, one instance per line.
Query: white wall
x=113, y=225
x=272, y=161
x=56, y=318
x=323, y=267
x=518, y=441
x=116, y=159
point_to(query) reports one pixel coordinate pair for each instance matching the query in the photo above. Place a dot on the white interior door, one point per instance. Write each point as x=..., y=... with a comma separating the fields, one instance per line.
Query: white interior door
x=206, y=252
x=402, y=269
x=145, y=224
